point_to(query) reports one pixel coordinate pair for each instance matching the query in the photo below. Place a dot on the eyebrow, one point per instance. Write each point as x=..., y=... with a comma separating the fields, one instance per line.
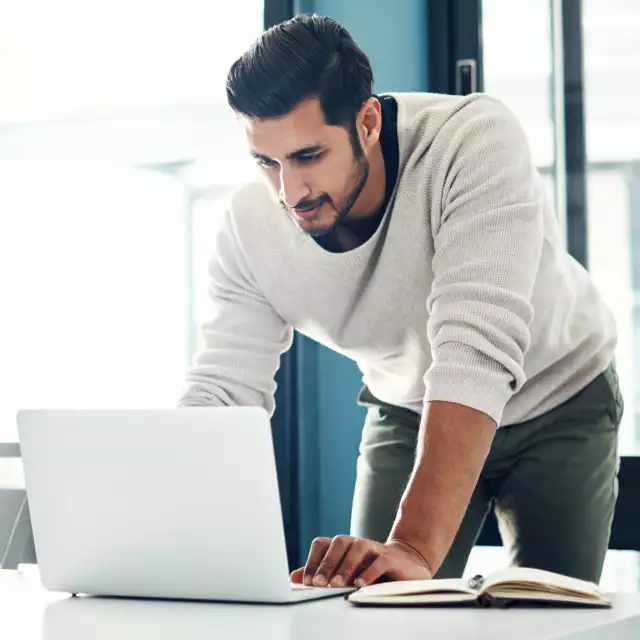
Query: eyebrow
x=294, y=155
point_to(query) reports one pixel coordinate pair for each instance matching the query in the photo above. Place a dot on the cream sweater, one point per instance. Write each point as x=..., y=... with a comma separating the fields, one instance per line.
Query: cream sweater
x=464, y=293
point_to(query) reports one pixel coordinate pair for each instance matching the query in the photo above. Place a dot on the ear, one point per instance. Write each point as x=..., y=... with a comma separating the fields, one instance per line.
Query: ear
x=369, y=122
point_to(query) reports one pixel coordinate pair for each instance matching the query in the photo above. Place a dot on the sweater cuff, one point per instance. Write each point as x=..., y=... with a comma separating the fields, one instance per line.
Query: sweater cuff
x=478, y=390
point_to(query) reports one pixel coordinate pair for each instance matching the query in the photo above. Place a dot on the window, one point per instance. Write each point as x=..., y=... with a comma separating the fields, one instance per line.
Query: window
x=518, y=65
x=611, y=37
x=611, y=42
x=112, y=117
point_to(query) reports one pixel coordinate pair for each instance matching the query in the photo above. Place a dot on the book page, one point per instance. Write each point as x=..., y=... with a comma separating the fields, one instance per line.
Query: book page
x=413, y=587
x=433, y=598
x=542, y=596
x=520, y=579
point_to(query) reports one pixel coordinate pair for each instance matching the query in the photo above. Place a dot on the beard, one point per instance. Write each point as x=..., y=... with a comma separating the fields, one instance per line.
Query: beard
x=359, y=181
x=344, y=205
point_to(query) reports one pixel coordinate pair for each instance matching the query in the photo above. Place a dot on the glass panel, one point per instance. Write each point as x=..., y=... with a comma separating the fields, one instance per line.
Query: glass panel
x=109, y=118
x=518, y=65
x=518, y=69
x=93, y=279
x=611, y=41
x=69, y=56
x=95, y=260
x=93, y=272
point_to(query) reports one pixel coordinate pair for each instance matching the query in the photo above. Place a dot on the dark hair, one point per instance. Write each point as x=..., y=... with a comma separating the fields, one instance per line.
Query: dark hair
x=309, y=56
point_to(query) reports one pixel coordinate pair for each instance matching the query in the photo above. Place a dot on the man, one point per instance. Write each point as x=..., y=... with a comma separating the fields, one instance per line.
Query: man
x=411, y=232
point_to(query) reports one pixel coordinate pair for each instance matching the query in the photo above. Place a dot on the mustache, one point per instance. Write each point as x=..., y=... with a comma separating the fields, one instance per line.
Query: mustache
x=306, y=204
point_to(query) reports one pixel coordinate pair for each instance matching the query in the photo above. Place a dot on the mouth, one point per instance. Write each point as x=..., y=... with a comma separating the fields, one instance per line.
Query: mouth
x=307, y=214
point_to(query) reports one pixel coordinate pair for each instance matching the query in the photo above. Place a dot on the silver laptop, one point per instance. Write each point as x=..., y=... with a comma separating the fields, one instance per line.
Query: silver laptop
x=174, y=503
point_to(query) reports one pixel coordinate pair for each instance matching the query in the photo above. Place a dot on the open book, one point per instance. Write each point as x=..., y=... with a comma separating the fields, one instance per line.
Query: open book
x=498, y=589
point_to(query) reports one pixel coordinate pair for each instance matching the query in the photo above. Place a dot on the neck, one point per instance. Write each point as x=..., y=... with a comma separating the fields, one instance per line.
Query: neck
x=371, y=199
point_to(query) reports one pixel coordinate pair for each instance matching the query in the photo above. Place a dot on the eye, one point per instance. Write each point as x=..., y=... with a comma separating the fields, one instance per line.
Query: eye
x=265, y=162
x=309, y=159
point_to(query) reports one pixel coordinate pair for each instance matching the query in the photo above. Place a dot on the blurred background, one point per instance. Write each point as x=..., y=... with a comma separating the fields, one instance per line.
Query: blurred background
x=118, y=153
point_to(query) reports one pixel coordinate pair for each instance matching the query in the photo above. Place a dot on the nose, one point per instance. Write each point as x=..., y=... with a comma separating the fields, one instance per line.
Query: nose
x=292, y=187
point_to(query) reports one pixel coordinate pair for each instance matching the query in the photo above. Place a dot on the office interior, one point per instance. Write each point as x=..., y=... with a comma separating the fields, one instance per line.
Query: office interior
x=118, y=154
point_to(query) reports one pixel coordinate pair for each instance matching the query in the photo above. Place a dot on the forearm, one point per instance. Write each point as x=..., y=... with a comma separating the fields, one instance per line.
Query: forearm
x=453, y=444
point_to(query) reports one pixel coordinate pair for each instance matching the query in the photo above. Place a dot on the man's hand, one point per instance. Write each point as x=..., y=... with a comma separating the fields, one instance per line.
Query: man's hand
x=452, y=447
x=346, y=561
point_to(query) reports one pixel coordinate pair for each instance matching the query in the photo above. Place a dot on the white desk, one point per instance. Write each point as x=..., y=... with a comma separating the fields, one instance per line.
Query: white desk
x=28, y=612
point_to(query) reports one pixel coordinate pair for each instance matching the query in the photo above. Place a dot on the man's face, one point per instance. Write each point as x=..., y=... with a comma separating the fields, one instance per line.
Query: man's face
x=312, y=167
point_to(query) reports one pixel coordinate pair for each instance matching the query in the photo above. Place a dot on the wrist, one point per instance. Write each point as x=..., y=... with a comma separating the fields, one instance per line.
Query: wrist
x=413, y=527
x=412, y=549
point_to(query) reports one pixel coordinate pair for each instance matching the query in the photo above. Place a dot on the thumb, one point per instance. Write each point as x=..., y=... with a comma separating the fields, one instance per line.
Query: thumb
x=296, y=576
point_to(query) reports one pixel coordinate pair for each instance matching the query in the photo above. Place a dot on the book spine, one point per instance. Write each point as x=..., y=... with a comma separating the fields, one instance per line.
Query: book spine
x=488, y=601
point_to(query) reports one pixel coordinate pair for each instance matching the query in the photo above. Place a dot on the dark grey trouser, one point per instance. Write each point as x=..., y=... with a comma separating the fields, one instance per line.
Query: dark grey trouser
x=552, y=482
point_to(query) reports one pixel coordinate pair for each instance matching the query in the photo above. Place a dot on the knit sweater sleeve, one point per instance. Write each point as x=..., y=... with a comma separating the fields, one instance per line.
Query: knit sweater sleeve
x=487, y=235
x=243, y=336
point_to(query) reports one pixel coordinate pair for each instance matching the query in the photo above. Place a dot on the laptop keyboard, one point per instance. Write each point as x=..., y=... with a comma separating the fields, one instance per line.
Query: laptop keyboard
x=300, y=587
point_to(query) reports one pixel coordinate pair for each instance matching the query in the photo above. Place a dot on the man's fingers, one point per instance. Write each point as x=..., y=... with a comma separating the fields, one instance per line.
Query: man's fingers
x=297, y=576
x=346, y=560
x=372, y=573
x=318, y=549
x=332, y=559
x=362, y=552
